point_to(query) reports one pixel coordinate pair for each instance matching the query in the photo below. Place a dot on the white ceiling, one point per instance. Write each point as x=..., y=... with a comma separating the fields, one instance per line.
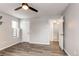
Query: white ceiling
x=44, y=9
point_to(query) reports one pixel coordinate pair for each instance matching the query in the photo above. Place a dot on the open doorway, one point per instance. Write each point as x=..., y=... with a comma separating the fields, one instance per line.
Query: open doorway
x=56, y=34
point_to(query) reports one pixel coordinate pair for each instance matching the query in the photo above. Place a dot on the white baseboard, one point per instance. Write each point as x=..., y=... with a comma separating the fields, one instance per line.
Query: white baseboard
x=40, y=43
x=67, y=52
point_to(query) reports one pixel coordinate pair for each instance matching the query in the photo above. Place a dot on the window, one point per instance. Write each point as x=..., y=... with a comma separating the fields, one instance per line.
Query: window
x=15, y=28
x=14, y=24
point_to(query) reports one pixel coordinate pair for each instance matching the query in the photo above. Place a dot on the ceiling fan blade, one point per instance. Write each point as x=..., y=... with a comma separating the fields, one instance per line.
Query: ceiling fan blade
x=24, y=4
x=33, y=9
x=18, y=8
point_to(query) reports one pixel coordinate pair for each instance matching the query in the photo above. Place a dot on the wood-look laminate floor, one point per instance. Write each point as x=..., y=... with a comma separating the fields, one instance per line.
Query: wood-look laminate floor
x=26, y=49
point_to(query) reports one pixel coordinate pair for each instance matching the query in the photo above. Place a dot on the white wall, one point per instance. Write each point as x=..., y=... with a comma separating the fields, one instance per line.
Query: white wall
x=35, y=30
x=25, y=26
x=6, y=38
x=55, y=32
x=72, y=29
x=39, y=30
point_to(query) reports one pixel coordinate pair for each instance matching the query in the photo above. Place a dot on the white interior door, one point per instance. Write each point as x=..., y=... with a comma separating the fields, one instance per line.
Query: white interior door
x=61, y=35
x=25, y=30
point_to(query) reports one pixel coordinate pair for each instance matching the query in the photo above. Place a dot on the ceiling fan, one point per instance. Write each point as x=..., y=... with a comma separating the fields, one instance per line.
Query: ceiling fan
x=26, y=6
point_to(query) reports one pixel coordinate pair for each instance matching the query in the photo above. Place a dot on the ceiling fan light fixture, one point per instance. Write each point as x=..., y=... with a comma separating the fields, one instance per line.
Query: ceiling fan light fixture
x=24, y=7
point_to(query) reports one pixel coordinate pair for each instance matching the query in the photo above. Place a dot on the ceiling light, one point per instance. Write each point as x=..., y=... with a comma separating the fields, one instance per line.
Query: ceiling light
x=25, y=7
